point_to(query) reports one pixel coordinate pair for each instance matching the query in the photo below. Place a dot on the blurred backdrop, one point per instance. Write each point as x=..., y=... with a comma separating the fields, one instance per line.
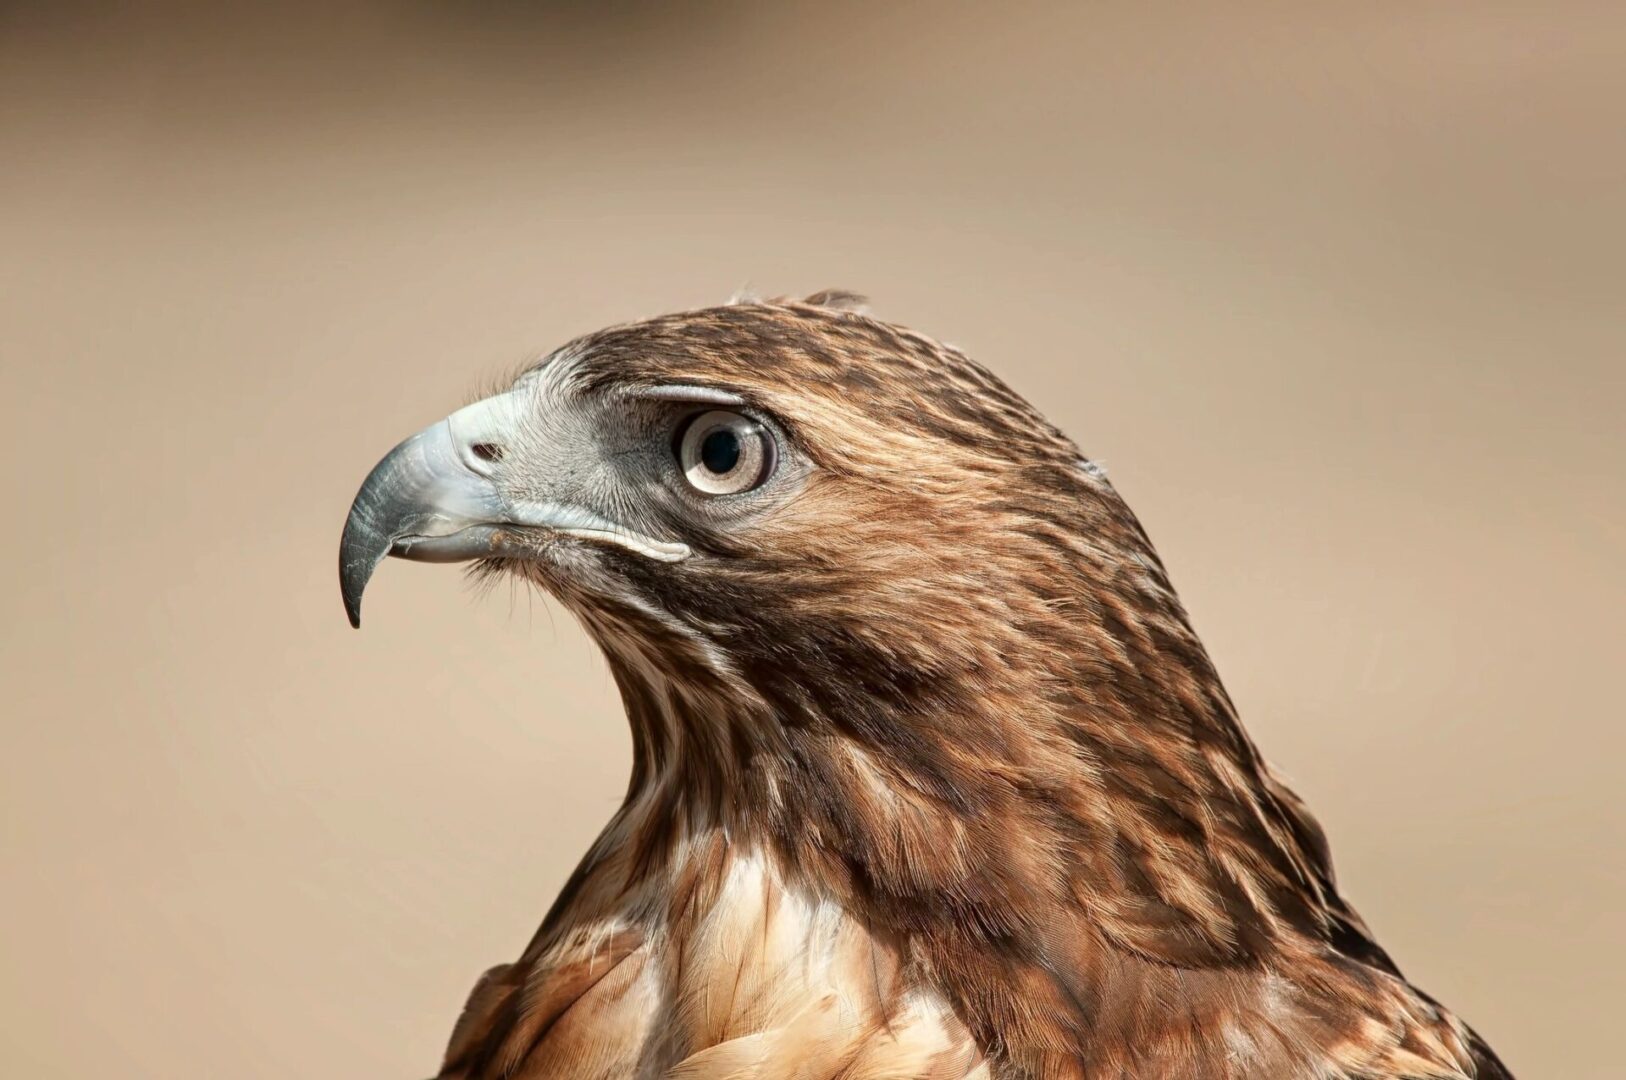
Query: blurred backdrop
x=1335, y=292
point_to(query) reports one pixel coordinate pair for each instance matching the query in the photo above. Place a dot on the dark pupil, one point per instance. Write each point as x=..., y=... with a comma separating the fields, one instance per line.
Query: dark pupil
x=720, y=451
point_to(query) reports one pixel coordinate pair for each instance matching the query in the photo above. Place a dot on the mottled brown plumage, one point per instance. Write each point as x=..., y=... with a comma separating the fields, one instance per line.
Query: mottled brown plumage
x=931, y=776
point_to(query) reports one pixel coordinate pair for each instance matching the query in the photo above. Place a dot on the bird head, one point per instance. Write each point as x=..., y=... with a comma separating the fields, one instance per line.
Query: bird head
x=748, y=486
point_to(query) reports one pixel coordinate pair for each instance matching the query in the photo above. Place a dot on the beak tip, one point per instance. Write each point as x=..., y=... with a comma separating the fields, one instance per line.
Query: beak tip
x=353, y=577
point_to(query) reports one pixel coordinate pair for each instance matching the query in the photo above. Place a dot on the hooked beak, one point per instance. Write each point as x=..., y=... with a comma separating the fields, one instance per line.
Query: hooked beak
x=435, y=498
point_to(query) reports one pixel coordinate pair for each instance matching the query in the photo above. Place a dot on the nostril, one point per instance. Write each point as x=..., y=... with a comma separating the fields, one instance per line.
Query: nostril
x=486, y=451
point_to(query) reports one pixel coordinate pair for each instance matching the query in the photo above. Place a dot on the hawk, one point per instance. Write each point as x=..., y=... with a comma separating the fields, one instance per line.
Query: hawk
x=931, y=776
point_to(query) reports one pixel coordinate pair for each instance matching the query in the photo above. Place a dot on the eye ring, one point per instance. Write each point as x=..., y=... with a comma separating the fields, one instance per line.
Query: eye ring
x=722, y=452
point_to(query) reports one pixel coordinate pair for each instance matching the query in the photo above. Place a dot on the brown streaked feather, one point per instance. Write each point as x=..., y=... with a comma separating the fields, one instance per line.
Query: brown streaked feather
x=517, y=1012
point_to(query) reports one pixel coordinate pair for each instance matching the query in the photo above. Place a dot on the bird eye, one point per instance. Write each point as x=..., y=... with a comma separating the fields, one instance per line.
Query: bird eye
x=725, y=453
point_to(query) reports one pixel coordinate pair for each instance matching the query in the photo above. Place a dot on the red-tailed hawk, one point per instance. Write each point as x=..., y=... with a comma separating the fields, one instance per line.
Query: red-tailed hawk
x=931, y=776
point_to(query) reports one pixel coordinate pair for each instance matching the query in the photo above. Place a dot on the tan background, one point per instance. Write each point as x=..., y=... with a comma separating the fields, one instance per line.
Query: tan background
x=1335, y=293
